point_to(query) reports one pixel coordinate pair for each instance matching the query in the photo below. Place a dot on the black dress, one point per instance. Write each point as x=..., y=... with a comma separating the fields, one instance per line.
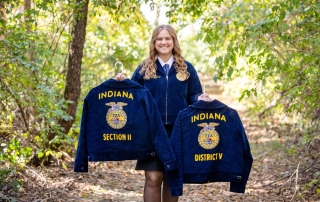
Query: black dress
x=154, y=164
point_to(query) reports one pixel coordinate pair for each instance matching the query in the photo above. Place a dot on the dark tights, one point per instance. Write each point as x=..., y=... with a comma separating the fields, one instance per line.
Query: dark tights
x=152, y=188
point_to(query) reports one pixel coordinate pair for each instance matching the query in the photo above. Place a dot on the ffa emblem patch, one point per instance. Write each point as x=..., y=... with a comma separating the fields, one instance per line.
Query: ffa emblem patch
x=181, y=77
x=208, y=137
x=116, y=117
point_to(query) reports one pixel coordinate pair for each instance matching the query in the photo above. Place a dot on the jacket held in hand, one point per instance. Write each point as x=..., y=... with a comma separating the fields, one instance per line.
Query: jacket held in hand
x=120, y=121
x=210, y=144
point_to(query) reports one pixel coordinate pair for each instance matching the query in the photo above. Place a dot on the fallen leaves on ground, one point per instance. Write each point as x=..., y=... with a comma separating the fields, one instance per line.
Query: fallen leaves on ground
x=119, y=181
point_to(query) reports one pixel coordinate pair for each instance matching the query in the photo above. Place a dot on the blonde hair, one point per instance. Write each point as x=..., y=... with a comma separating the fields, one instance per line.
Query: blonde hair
x=149, y=66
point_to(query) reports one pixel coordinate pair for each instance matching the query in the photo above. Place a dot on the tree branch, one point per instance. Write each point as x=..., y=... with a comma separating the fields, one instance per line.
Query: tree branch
x=18, y=103
x=284, y=177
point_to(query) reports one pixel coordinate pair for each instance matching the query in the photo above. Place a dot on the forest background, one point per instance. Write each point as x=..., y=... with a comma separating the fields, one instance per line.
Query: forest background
x=52, y=52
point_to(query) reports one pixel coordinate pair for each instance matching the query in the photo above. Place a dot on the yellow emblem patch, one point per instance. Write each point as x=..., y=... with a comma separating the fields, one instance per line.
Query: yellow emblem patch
x=208, y=137
x=181, y=77
x=116, y=117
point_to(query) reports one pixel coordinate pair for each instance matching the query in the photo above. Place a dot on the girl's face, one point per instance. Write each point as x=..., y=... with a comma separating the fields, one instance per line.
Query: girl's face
x=164, y=43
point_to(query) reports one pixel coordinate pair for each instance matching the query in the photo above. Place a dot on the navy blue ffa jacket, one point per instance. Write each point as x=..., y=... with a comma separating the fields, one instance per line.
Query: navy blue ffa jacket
x=210, y=144
x=170, y=93
x=120, y=121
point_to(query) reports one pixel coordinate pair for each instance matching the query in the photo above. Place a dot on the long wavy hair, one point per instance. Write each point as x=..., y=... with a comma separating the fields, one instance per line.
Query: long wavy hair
x=149, y=66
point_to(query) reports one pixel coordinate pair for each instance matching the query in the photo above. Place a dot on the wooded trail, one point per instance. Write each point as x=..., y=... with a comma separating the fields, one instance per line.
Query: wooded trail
x=273, y=175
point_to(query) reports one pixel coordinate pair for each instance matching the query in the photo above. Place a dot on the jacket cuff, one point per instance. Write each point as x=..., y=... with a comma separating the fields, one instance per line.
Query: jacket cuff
x=237, y=187
x=176, y=191
x=171, y=165
x=81, y=167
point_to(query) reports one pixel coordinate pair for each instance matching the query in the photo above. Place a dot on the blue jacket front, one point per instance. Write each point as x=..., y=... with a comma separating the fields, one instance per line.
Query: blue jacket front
x=120, y=121
x=171, y=94
x=210, y=144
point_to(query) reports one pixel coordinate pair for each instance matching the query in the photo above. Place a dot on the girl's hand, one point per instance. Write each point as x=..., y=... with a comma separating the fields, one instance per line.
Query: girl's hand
x=204, y=97
x=120, y=77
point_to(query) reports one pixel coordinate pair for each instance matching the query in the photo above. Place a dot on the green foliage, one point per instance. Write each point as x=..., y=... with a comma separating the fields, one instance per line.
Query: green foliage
x=12, y=156
x=313, y=184
x=34, y=50
x=14, y=153
x=30, y=79
x=121, y=11
x=184, y=11
x=5, y=173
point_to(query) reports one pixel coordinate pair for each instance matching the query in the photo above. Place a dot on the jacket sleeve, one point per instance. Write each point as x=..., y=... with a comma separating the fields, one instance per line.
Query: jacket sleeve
x=239, y=187
x=159, y=135
x=175, y=177
x=137, y=77
x=81, y=160
x=194, y=86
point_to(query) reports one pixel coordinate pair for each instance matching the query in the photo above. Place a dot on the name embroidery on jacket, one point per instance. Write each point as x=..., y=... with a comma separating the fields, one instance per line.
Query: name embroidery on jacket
x=116, y=117
x=208, y=157
x=110, y=93
x=121, y=137
x=203, y=116
x=208, y=137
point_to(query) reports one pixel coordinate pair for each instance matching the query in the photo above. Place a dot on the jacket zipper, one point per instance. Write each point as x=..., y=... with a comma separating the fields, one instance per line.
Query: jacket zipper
x=167, y=101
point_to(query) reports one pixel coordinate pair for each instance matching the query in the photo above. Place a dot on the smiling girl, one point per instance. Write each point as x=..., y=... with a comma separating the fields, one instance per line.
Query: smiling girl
x=174, y=85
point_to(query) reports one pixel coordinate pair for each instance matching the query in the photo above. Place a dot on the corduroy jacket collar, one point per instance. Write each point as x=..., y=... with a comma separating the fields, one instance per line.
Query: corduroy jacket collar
x=215, y=104
x=127, y=83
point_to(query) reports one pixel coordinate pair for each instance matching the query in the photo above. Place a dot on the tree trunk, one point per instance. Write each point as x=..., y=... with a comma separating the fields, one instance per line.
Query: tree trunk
x=157, y=4
x=27, y=5
x=73, y=83
x=2, y=10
